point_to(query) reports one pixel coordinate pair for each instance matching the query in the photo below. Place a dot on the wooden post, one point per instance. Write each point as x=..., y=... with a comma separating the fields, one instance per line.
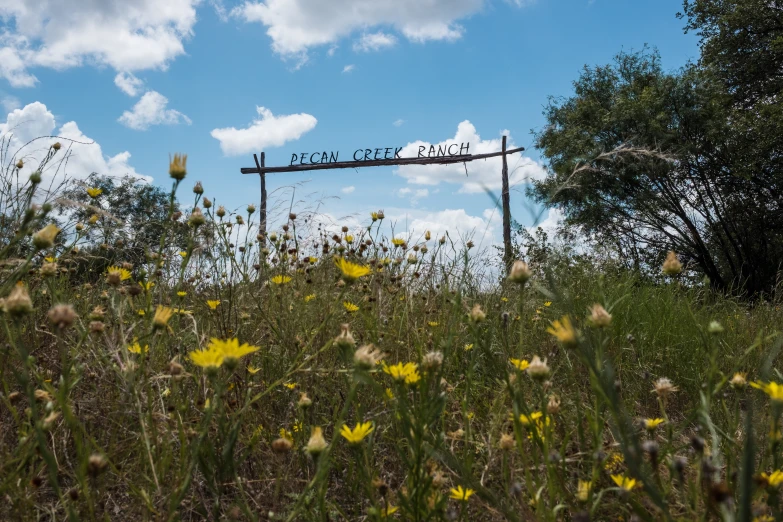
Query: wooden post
x=506, y=199
x=261, y=165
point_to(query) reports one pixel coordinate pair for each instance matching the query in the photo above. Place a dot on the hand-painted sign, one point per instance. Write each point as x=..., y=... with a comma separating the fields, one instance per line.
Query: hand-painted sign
x=381, y=154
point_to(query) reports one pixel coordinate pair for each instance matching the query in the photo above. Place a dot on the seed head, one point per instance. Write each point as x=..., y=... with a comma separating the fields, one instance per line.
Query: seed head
x=96, y=465
x=432, y=361
x=738, y=381
x=664, y=387
x=18, y=302
x=345, y=339
x=282, y=445
x=207, y=203
x=520, y=273
x=477, y=315
x=221, y=211
x=506, y=442
x=198, y=189
x=553, y=406
x=367, y=357
x=49, y=269
x=62, y=316
x=599, y=317
x=196, y=218
x=538, y=369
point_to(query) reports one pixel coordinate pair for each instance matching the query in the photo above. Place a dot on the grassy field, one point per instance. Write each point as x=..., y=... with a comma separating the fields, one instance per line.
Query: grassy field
x=352, y=377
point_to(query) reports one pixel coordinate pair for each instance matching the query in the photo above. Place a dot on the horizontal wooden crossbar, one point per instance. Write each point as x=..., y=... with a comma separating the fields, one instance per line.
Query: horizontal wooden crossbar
x=442, y=160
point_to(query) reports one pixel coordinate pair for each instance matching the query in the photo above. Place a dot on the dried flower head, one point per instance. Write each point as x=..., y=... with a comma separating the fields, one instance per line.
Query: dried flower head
x=599, y=317
x=538, y=369
x=18, y=302
x=62, y=316
x=477, y=315
x=520, y=273
x=317, y=443
x=664, y=387
x=367, y=357
x=672, y=265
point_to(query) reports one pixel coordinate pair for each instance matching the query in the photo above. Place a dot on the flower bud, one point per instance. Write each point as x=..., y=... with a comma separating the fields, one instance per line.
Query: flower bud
x=177, y=167
x=198, y=189
x=317, y=443
x=207, y=203
x=221, y=211
x=44, y=238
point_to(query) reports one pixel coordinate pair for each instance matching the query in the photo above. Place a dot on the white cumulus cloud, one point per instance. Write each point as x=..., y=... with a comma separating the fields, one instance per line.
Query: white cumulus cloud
x=374, y=42
x=128, y=83
x=296, y=26
x=348, y=190
x=457, y=222
x=85, y=156
x=151, y=110
x=126, y=35
x=349, y=68
x=266, y=131
x=480, y=174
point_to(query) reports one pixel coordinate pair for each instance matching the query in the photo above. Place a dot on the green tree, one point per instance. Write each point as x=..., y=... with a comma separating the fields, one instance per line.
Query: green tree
x=129, y=220
x=646, y=161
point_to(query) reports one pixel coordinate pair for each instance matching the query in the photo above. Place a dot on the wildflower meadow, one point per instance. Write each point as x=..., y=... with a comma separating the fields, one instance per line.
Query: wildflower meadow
x=314, y=375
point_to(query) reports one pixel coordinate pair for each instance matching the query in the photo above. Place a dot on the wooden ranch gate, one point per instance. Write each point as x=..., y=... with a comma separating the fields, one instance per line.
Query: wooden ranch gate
x=390, y=156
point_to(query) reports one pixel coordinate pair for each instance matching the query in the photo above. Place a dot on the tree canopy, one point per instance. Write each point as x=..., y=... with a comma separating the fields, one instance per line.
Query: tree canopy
x=647, y=160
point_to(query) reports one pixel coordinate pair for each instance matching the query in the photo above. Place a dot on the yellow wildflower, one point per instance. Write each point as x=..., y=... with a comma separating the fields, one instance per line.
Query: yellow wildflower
x=583, y=490
x=290, y=385
x=213, y=304
x=773, y=389
x=182, y=294
x=351, y=271
x=116, y=273
x=231, y=349
x=209, y=358
x=309, y=298
x=468, y=347
x=252, y=370
x=94, y=192
x=358, y=433
x=281, y=279
x=398, y=242
x=137, y=348
x=162, y=316
x=460, y=494
x=350, y=307
x=563, y=330
x=651, y=424
x=147, y=286
x=775, y=479
x=407, y=372
x=626, y=483
x=519, y=364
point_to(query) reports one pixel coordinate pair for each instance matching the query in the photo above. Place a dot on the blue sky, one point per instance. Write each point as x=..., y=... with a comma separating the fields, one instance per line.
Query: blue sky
x=339, y=75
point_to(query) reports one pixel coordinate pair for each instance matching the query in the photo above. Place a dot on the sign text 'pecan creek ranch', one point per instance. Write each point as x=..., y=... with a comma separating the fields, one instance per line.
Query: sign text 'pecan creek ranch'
x=380, y=154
